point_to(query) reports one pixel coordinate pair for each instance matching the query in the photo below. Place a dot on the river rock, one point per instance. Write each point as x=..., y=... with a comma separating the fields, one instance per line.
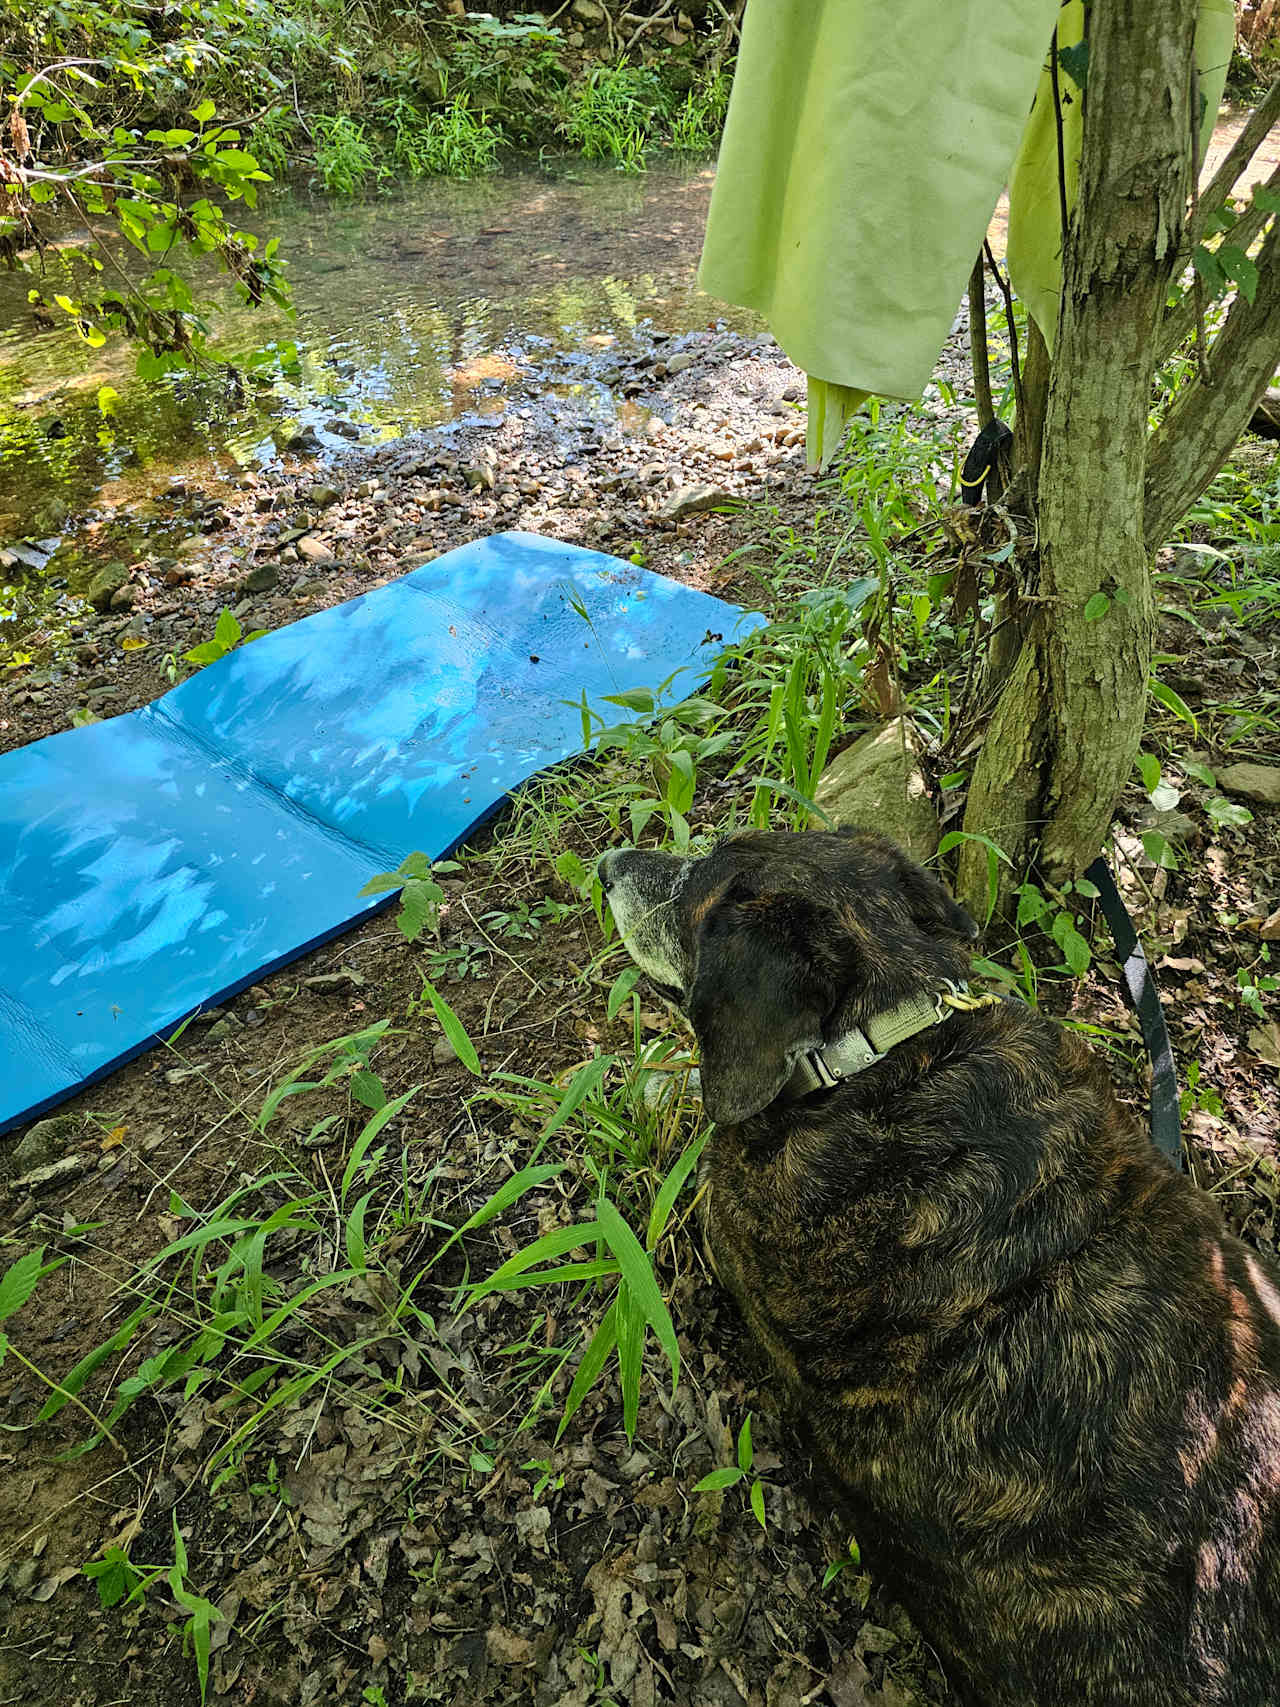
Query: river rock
x=124, y=598
x=876, y=784
x=300, y=439
x=681, y=360
x=314, y=550
x=693, y=500
x=1254, y=782
x=260, y=579
x=323, y=496
x=106, y=584
x=46, y=1142
x=589, y=11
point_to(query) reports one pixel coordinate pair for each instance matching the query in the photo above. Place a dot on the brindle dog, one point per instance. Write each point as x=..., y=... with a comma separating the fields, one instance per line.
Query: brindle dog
x=1045, y=1375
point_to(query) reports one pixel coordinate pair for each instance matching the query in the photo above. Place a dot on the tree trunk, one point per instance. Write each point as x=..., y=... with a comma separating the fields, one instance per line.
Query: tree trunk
x=1068, y=724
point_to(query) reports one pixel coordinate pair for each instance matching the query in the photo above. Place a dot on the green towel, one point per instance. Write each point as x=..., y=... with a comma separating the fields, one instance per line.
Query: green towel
x=866, y=145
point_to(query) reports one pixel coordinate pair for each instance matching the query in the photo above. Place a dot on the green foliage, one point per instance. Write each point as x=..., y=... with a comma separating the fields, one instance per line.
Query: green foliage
x=637, y=1304
x=345, y=158
x=454, y=141
x=117, y=1578
x=114, y=125
x=729, y=1475
x=421, y=896
x=613, y=113
x=227, y=635
x=248, y=1325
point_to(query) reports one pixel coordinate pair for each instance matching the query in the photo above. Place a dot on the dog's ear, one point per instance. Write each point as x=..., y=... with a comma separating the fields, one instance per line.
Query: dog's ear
x=931, y=905
x=754, y=1007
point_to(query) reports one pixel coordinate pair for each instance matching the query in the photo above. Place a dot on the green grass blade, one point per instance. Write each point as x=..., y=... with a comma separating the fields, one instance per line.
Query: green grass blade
x=630, y=1356
x=671, y=1189
x=552, y=1244
x=368, y=1133
x=509, y=1192
x=453, y=1029
x=593, y=1361
x=637, y=1271
x=724, y=1477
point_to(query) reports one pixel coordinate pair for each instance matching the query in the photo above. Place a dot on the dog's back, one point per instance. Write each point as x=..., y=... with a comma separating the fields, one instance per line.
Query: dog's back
x=1046, y=1376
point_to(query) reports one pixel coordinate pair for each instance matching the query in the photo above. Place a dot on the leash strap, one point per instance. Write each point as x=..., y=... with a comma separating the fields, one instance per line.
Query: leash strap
x=1144, y=999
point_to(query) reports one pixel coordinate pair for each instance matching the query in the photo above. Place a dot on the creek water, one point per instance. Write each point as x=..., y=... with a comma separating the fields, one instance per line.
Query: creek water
x=414, y=306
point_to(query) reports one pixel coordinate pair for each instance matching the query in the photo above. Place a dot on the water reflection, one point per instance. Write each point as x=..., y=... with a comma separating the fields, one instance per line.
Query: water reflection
x=397, y=297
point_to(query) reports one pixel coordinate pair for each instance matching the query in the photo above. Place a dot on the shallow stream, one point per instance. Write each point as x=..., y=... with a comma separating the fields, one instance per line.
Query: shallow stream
x=426, y=303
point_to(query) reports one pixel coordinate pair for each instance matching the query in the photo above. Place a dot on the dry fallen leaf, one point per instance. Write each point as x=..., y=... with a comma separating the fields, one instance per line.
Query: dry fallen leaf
x=114, y=1137
x=1264, y=1040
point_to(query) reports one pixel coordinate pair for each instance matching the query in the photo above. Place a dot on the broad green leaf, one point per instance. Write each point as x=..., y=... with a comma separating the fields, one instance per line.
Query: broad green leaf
x=757, y=1504
x=1158, y=850
x=227, y=630
x=682, y=781
x=453, y=1028
x=1228, y=812
x=367, y=1089
x=724, y=1477
x=1149, y=765
x=1175, y=703
x=204, y=112
x=623, y=985
x=744, y=1444
x=1097, y=607
x=236, y=159
x=19, y=1281
x=1239, y=268
x=634, y=699
x=1032, y=905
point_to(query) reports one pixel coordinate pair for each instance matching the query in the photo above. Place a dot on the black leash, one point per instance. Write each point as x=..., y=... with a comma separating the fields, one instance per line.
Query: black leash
x=1144, y=999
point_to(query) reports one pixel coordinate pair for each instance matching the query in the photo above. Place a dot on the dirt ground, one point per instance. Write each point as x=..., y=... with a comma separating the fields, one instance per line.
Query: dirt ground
x=409, y=1529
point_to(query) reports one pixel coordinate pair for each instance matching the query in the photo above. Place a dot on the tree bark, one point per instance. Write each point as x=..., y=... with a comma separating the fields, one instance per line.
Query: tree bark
x=1069, y=721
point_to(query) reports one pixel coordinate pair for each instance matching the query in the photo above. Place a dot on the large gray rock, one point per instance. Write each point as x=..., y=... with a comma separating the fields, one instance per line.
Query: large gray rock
x=877, y=785
x=47, y=1141
x=693, y=500
x=106, y=584
x=1255, y=782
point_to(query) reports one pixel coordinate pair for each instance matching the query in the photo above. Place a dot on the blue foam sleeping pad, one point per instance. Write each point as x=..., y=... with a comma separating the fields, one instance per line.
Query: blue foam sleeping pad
x=161, y=861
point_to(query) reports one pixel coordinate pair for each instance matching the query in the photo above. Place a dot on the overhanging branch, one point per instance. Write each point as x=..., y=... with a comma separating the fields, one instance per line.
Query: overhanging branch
x=1179, y=321
x=1196, y=437
x=1243, y=149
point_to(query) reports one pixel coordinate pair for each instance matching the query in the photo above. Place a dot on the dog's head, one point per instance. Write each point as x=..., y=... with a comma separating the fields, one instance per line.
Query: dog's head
x=776, y=943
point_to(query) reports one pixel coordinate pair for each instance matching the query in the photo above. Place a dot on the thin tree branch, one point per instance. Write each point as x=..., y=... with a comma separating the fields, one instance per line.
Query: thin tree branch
x=1197, y=282
x=1196, y=437
x=1064, y=218
x=1243, y=149
x=978, y=352
x=1180, y=320
x=1007, y=294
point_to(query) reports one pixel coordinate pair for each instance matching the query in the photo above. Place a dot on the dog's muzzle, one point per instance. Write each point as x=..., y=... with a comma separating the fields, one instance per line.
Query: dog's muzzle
x=640, y=889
